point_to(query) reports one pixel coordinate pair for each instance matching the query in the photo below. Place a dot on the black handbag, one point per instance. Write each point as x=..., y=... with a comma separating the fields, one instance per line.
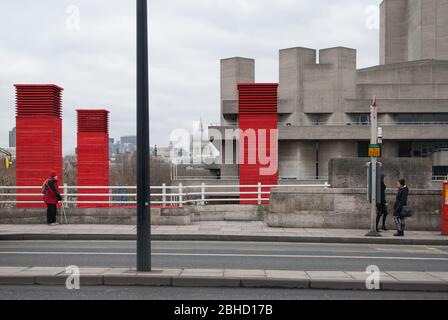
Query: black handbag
x=407, y=212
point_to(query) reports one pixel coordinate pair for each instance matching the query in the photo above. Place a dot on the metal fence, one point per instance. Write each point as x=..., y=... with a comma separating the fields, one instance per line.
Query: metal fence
x=178, y=195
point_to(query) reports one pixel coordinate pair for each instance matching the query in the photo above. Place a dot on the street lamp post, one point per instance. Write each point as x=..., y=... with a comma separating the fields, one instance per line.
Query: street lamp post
x=143, y=189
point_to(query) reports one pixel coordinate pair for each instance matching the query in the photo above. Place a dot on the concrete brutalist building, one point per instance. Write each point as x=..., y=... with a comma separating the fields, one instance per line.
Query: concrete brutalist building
x=323, y=108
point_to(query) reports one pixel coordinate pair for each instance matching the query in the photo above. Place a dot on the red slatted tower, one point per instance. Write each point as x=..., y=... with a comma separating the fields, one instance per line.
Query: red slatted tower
x=93, y=155
x=257, y=112
x=39, y=137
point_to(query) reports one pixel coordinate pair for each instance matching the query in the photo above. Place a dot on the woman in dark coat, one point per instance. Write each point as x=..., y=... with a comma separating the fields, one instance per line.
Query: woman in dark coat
x=381, y=208
x=400, y=202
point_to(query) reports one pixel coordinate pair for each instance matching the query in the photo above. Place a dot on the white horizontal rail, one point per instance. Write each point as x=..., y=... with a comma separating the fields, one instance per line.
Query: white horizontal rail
x=175, y=195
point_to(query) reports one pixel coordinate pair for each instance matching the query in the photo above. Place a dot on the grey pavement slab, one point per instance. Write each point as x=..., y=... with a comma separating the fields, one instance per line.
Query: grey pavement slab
x=414, y=276
x=44, y=271
x=10, y=270
x=281, y=274
x=321, y=275
x=362, y=276
x=244, y=273
x=440, y=275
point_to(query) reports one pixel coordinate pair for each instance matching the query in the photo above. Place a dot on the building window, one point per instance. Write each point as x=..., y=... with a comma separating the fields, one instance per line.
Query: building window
x=422, y=118
x=362, y=119
x=405, y=149
x=363, y=149
x=420, y=149
x=440, y=171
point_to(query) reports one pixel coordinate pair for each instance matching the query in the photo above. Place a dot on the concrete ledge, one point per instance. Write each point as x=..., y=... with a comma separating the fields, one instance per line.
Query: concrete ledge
x=225, y=237
x=431, y=286
x=206, y=281
x=275, y=283
x=220, y=278
x=137, y=280
x=14, y=279
x=337, y=284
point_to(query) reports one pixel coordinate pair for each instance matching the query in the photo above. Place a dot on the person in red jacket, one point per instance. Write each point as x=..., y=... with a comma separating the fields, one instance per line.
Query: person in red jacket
x=52, y=197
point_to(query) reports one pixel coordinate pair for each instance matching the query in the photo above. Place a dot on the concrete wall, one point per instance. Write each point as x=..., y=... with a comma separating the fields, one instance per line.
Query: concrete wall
x=352, y=172
x=308, y=88
x=181, y=216
x=76, y=216
x=334, y=150
x=222, y=212
x=346, y=208
x=292, y=62
x=413, y=30
x=427, y=29
x=297, y=159
x=233, y=71
x=393, y=31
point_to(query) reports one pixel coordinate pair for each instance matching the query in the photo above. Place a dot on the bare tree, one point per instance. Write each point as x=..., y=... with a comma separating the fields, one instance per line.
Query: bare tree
x=7, y=178
x=69, y=169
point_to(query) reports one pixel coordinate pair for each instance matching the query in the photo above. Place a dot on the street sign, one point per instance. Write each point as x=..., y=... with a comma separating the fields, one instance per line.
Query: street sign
x=374, y=150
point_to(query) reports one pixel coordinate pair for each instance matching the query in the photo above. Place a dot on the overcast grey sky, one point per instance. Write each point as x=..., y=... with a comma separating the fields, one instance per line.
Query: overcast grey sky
x=41, y=43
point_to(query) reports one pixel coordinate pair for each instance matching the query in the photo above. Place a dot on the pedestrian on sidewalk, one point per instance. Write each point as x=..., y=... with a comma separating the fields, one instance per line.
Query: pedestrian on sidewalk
x=51, y=197
x=381, y=208
x=400, y=202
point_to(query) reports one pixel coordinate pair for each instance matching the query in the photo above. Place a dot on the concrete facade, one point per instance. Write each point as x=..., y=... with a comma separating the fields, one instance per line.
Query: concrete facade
x=324, y=106
x=346, y=208
x=186, y=215
x=351, y=172
x=413, y=30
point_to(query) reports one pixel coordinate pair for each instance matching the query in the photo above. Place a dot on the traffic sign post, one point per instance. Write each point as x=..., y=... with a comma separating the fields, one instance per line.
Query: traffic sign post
x=374, y=153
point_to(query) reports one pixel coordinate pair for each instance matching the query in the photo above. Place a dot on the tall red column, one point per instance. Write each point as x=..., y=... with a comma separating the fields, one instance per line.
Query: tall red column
x=39, y=137
x=93, y=155
x=258, y=122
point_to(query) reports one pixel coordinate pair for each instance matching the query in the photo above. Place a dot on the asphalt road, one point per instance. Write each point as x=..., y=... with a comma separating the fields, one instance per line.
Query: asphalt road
x=169, y=293
x=232, y=255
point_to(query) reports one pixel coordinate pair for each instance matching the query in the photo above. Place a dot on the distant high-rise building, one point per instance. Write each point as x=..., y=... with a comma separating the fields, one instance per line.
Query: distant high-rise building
x=129, y=139
x=12, y=138
x=113, y=148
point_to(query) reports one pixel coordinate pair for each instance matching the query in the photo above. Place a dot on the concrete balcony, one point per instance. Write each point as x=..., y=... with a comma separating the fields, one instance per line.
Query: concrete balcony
x=397, y=105
x=359, y=132
x=417, y=131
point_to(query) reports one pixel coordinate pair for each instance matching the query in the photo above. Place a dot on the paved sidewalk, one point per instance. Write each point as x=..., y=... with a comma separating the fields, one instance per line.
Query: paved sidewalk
x=215, y=231
x=338, y=280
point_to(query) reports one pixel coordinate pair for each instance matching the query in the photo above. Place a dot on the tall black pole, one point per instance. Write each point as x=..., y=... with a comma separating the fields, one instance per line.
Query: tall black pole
x=143, y=190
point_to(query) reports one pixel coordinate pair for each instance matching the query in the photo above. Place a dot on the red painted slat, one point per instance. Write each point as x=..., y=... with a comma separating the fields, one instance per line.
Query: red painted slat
x=39, y=137
x=93, y=154
x=257, y=112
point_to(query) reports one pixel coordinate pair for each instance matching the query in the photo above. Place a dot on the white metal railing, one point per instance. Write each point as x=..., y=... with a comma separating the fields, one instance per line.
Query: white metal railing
x=178, y=195
x=439, y=178
x=179, y=178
